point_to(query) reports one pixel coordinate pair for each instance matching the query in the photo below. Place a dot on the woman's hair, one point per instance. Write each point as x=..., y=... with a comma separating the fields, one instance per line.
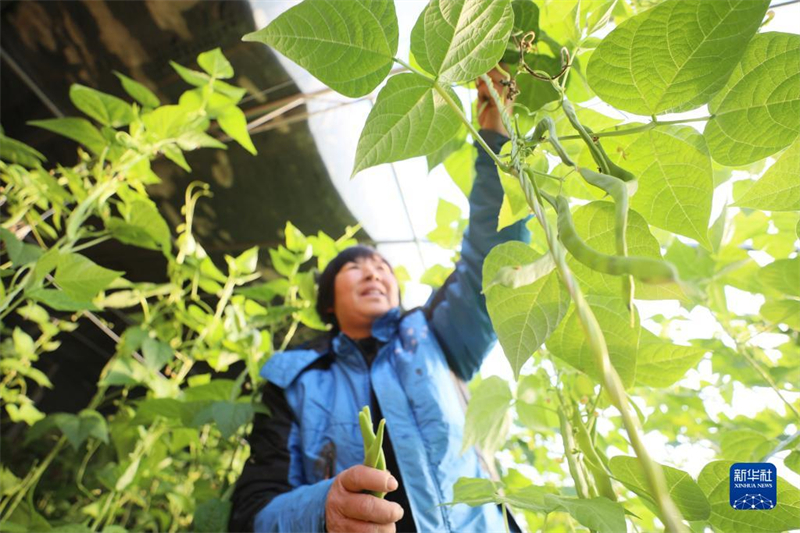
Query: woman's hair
x=326, y=280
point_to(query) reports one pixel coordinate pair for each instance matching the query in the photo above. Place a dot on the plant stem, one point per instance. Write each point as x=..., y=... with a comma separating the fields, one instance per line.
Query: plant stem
x=757, y=367
x=791, y=441
x=505, y=517
x=104, y=510
x=569, y=446
x=289, y=334
x=412, y=69
x=744, y=350
x=82, y=469
x=91, y=243
x=618, y=131
x=477, y=136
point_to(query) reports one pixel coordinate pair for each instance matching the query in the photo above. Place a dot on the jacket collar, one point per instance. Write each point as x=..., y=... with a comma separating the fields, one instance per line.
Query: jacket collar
x=382, y=329
x=385, y=327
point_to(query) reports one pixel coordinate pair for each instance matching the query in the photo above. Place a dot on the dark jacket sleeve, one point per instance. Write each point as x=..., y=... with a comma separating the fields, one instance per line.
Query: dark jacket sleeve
x=266, y=472
x=271, y=494
x=457, y=312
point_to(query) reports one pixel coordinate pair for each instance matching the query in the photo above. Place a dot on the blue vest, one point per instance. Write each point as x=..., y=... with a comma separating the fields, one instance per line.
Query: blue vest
x=414, y=388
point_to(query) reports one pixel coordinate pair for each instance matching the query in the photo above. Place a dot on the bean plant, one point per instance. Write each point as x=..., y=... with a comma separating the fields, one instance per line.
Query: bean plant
x=160, y=444
x=621, y=216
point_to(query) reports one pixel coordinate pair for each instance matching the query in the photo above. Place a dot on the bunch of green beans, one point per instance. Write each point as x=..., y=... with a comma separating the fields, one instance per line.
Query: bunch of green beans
x=373, y=443
x=614, y=181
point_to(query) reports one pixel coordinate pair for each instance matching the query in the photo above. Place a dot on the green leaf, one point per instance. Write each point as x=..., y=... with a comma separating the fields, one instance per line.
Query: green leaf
x=25, y=412
x=534, y=499
x=156, y=353
x=453, y=145
x=692, y=262
x=745, y=445
x=569, y=344
x=778, y=189
x=450, y=226
x=185, y=412
x=349, y=46
x=436, y=275
x=675, y=180
x=474, y=491
x=534, y=404
x=228, y=416
x=23, y=344
x=245, y=263
x=169, y=121
x=216, y=390
x=106, y=109
x=460, y=165
x=8, y=481
x=524, y=317
x=34, y=313
x=458, y=40
x=488, y=417
x=683, y=490
x=46, y=263
x=661, y=363
x=19, y=252
x=81, y=278
x=526, y=17
x=215, y=64
x=715, y=482
x=792, y=461
x=754, y=114
x=675, y=56
x=234, y=123
x=78, y=129
x=533, y=92
x=782, y=312
x=78, y=428
x=200, y=79
x=145, y=227
x=782, y=275
x=60, y=300
x=598, y=514
x=211, y=516
x=19, y=153
x=194, y=139
x=138, y=91
x=595, y=223
x=295, y=240
x=409, y=119
x=174, y=154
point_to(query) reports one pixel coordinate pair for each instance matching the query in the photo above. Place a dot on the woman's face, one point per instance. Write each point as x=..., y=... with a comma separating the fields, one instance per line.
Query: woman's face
x=364, y=289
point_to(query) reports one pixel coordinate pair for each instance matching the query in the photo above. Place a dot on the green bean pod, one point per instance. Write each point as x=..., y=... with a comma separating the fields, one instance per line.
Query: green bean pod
x=598, y=154
x=375, y=449
x=618, y=190
x=365, y=421
x=538, y=133
x=594, y=462
x=644, y=269
x=614, y=169
x=373, y=444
